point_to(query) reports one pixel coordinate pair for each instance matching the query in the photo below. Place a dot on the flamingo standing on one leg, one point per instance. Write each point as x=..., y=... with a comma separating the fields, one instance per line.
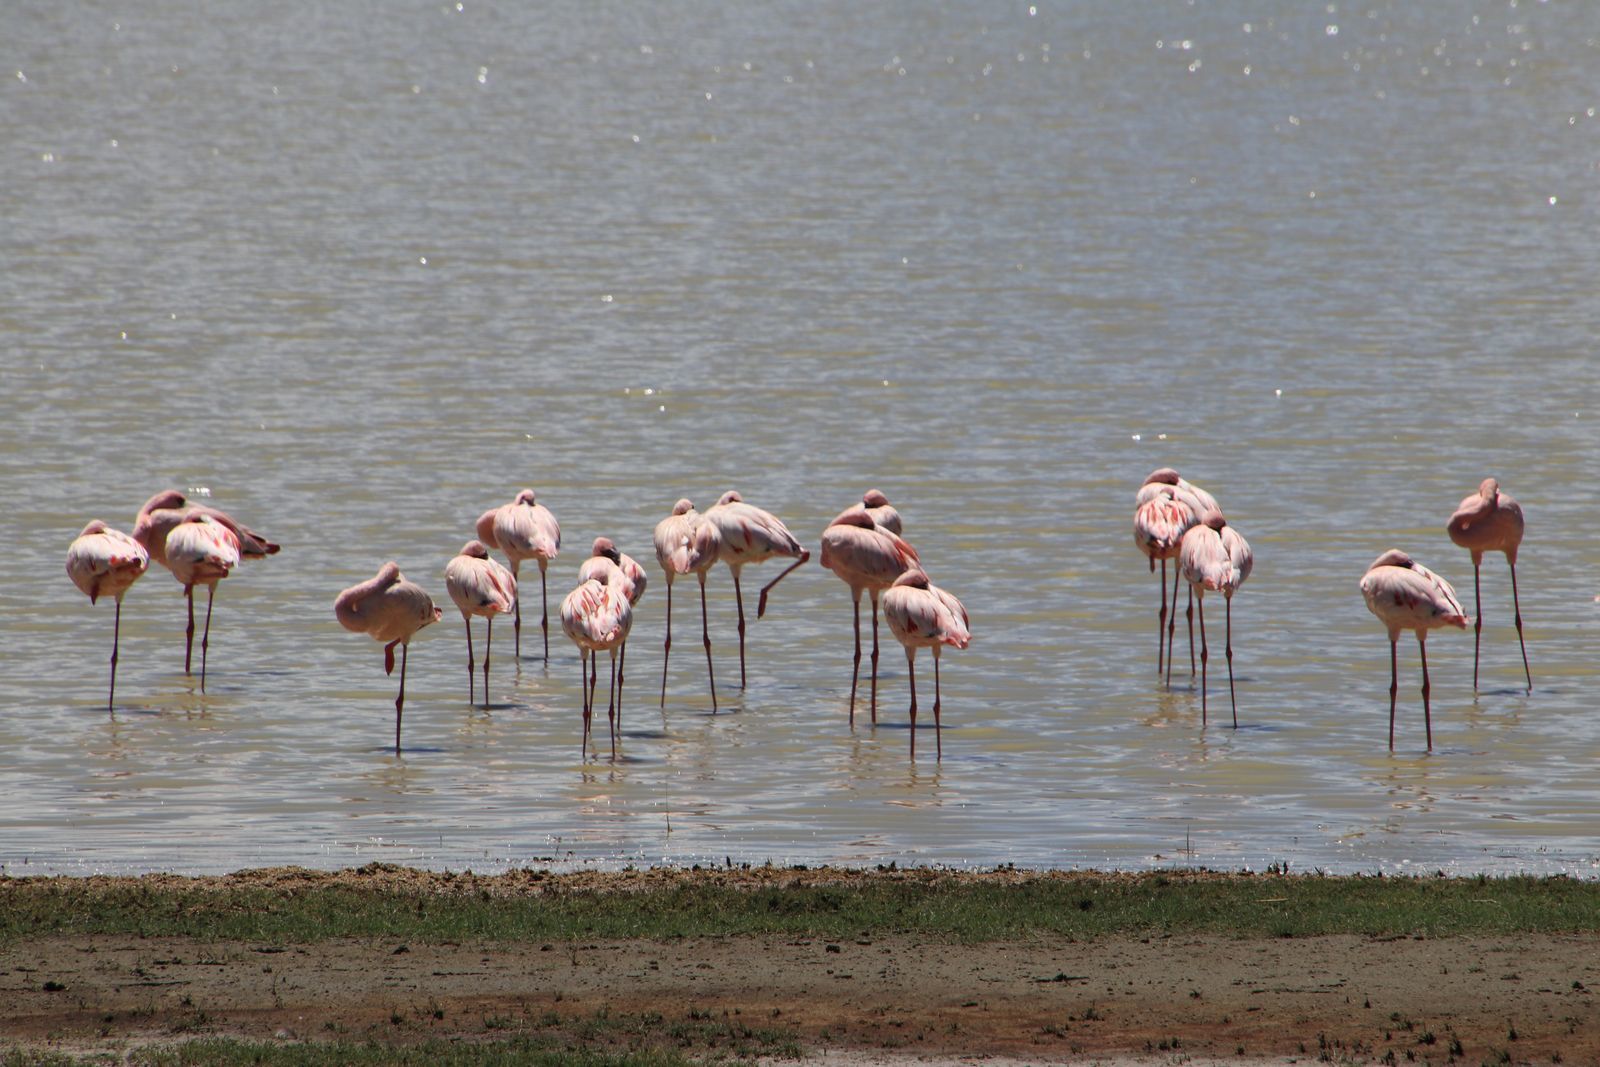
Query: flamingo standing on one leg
x=751, y=535
x=686, y=542
x=1490, y=521
x=479, y=586
x=1405, y=595
x=1163, y=515
x=631, y=579
x=524, y=529
x=105, y=562
x=201, y=550
x=391, y=610
x=597, y=616
x=866, y=555
x=922, y=615
x=1215, y=557
x=162, y=513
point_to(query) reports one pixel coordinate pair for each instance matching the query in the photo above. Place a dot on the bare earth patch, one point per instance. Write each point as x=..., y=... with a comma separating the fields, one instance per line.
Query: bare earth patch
x=1524, y=999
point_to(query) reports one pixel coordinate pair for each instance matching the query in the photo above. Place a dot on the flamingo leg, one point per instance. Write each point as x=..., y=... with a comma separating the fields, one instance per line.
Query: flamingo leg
x=1477, y=626
x=472, y=690
x=666, y=647
x=1394, y=687
x=1427, y=687
x=1161, y=617
x=874, y=595
x=855, y=670
x=544, y=618
x=761, y=601
x=1190, y=614
x=1228, y=602
x=205, y=636
x=911, y=670
x=622, y=666
x=738, y=598
x=188, y=634
x=583, y=690
x=594, y=665
x=516, y=625
x=1517, y=607
x=399, y=701
x=1172, y=620
x=116, y=635
x=611, y=704
x=1205, y=654
x=938, y=729
x=705, y=636
x=488, y=643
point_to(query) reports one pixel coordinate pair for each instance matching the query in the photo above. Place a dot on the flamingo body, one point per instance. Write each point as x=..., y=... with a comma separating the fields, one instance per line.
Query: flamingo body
x=479, y=586
x=1405, y=595
x=1215, y=557
x=390, y=610
x=106, y=562
x=524, y=529
x=921, y=615
x=687, y=543
x=1490, y=521
x=597, y=616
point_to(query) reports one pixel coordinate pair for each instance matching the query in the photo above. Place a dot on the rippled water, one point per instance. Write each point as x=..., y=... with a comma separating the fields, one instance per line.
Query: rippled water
x=364, y=270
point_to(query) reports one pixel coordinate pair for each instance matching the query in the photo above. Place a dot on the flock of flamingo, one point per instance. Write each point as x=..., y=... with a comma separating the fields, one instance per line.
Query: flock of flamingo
x=201, y=545
x=1177, y=520
x=1173, y=519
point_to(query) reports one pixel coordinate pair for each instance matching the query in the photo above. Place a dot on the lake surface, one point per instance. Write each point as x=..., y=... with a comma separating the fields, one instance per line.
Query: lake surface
x=361, y=271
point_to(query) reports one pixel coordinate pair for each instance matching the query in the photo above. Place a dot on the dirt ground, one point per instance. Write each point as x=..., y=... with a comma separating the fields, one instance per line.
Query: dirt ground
x=1165, y=999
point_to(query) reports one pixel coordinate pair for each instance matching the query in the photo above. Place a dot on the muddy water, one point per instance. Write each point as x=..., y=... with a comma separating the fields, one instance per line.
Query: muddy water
x=361, y=272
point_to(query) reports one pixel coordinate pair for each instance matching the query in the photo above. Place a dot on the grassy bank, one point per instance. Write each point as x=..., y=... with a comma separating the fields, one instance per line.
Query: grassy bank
x=296, y=906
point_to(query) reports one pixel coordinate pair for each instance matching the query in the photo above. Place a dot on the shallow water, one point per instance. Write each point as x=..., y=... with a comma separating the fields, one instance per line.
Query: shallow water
x=364, y=271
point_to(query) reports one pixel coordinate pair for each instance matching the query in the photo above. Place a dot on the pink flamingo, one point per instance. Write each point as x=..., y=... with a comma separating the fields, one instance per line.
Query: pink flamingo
x=597, y=616
x=1405, y=595
x=1164, y=513
x=105, y=562
x=922, y=615
x=1215, y=557
x=881, y=511
x=391, y=610
x=1490, y=521
x=686, y=542
x=200, y=550
x=524, y=529
x=865, y=555
x=751, y=535
x=631, y=579
x=161, y=514
x=479, y=586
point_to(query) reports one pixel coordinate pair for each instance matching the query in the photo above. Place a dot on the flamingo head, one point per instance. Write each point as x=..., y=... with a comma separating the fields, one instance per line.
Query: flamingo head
x=683, y=507
x=1162, y=476
x=916, y=578
x=526, y=497
x=1393, y=558
x=166, y=500
x=1214, y=520
x=97, y=526
x=1489, y=489
x=874, y=498
x=476, y=549
x=607, y=549
x=730, y=497
x=855, y=515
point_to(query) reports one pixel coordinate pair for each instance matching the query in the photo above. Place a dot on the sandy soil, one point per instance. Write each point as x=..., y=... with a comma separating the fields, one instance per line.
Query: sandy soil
x=868, y=1001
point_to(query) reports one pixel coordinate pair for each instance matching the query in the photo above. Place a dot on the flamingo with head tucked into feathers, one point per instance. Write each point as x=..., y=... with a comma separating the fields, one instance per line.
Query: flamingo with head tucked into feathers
x=597, y=616
x=1405, y=595
x=524, y=529
x=751, y=535
x=867, y=556
x=604, y=555
x=1215, y=557
x=1165, y=508
x=687, y=543
x=479, y=586
x=1490, y=521
x=106, y=562
x=921, y=615
x=390, y=610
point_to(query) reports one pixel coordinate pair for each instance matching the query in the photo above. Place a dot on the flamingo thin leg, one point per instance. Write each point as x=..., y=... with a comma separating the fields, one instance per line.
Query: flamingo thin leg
x=1394, y=687
x=911, y=670
x=1191, y=630
x=1427, y=687
x=738, y=598
x=1517, y=607
x=1477, y=626
x=583, y=690
x=705, y=636
x=205, y=636
x=1231, y=698
x=1172, y=621
x=472, y=685
x=666, y=647
x=116, y=636
x=874, y=657
x=611, y=704
x=188, y=634
x=488, y=642
x=761, y=601
x=1205, y=654
x=938, y=728
x=400, y=701
x=622, y=666
x=544, y=618
x=1161, y=619
x=855, y=670
x=516, y=624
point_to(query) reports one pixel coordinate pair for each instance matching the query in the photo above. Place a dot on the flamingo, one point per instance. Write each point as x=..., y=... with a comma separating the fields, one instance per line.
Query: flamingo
x=200, y=550
x=1215, y=557
x=1490, y=521
x=1164, y=513
x=161, y=514
x=881, y=511
x=1405, y=595
x=922, y=615
x=479, y=586
x=751, y=535
x=604, y=556
x=106, y=562
x=597, y=616
x=391, y=610
x=686, y=542
x=524, y=529
x=865, y=555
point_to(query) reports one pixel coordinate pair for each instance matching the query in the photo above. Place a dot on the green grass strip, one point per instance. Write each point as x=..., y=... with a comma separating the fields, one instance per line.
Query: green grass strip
x=1002, y=906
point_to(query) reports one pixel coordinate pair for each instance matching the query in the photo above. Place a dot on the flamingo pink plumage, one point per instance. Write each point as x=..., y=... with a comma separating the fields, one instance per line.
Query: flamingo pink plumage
x=524, y=529
x=1405, y=595
x=1490, y=521
x=865, y=555
x=881, y=511
x=391, y=610
x=687, y=543
x=597, y=616
x=200, y=550
x=751, y=535
x=1215, y=557
x=630, y=579
x=921, y=615
x=105, y=562
x=160, y=515
x=1164, y=512
x=479, y=586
